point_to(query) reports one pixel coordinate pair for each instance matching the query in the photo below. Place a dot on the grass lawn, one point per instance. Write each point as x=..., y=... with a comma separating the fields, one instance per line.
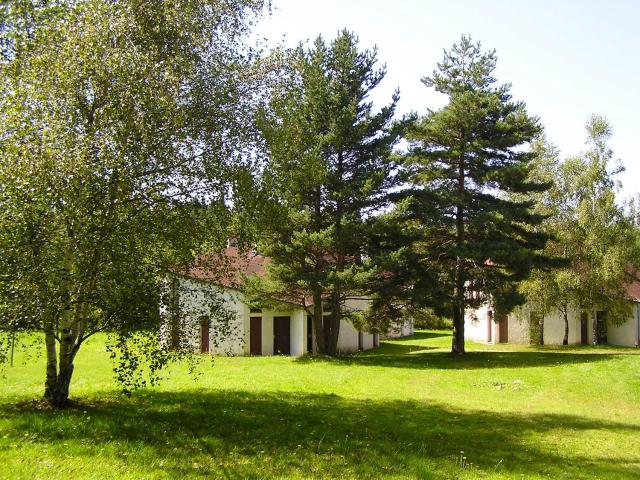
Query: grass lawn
x=405, y=410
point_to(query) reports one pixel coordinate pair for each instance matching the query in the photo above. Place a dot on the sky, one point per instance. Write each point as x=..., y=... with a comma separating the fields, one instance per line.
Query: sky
x=566, y=59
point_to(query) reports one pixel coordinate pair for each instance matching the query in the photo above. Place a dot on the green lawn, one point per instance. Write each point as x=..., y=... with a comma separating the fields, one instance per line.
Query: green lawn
x=406, y=410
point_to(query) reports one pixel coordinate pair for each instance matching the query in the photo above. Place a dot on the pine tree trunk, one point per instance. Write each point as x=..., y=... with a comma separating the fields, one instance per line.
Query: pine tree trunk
x=565, y=340
x=457, y=340
x=333, y=321
x=318, y=330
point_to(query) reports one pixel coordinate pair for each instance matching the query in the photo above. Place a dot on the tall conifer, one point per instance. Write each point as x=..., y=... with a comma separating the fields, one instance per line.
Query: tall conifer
x=470, y=155
x=329, y=169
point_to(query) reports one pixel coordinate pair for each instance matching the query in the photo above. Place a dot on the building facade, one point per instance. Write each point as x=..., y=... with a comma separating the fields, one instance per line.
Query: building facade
x=481, y=325
x=215, y=317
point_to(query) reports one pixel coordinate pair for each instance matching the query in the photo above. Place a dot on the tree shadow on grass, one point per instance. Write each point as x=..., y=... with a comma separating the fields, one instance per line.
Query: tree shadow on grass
x=427, y=357
x=439, y=360
x=408, y=353
x=239, y=434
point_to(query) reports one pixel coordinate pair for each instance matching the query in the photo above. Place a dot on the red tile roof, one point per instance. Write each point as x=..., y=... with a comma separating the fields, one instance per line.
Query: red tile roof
x=633, y=289
x=229, y=268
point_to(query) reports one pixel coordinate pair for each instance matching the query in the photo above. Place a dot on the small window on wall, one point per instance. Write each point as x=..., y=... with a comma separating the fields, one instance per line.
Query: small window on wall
x=255, y=310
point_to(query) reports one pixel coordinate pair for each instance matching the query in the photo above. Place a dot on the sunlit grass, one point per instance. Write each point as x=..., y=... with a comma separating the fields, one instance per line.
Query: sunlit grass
x=406, y=410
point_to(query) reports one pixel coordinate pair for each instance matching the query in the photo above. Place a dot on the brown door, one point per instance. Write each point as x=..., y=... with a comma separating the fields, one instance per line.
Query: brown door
x=204, y=336
x=584, y=331
x=255, y=335
x=504, y=329
x=281, y=335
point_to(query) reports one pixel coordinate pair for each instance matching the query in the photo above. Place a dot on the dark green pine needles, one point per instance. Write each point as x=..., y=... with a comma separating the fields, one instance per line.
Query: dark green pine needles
x=470, y=157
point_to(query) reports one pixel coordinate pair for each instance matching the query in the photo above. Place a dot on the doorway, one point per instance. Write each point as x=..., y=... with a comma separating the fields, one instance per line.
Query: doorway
x=281, y=335
x=503, y=329
x=255, y=336
x=204, y=335
x=584, y=329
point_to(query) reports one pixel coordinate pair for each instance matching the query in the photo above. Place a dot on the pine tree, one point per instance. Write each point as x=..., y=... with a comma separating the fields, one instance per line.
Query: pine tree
x=329, y=169
x=470, y=156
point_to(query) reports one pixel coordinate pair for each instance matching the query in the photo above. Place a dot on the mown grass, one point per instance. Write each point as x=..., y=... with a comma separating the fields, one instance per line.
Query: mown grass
x=406, y=410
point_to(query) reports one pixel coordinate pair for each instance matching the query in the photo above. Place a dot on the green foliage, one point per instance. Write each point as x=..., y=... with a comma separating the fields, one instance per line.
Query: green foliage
x=328, y=173
x=464, y=162
x=427, y=319
x=592, y=234
x=122, y=129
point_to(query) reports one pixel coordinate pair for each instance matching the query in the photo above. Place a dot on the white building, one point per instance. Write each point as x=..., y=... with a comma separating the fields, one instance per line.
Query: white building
x=237, y=329
x=481, y=326
x=398, y=331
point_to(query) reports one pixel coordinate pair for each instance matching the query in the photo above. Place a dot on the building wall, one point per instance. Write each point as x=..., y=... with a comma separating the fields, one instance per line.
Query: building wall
x=405, y=329
x=367, y=341
x=195, y=302
x=267, y=329
x=626, y=334
x=348, y=338
x=554, y=327
x=348, y=341
x=234, y=339
x=477, y=328
x=518, y=329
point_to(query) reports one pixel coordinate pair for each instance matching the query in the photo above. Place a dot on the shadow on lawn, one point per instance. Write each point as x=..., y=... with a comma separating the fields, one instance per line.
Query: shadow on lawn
x=237, y=434
x=406, y=354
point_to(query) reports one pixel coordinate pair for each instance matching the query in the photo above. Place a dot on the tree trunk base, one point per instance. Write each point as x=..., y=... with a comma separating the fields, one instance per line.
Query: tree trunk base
x=61, y=404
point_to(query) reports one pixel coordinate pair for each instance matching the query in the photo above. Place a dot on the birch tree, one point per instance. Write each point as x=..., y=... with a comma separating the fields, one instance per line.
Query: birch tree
x=122, y=127
x=590, y=232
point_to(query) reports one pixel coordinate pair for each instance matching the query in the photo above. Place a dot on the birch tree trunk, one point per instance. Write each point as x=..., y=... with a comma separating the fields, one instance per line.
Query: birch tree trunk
x=541, y=330
x=565, y=340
